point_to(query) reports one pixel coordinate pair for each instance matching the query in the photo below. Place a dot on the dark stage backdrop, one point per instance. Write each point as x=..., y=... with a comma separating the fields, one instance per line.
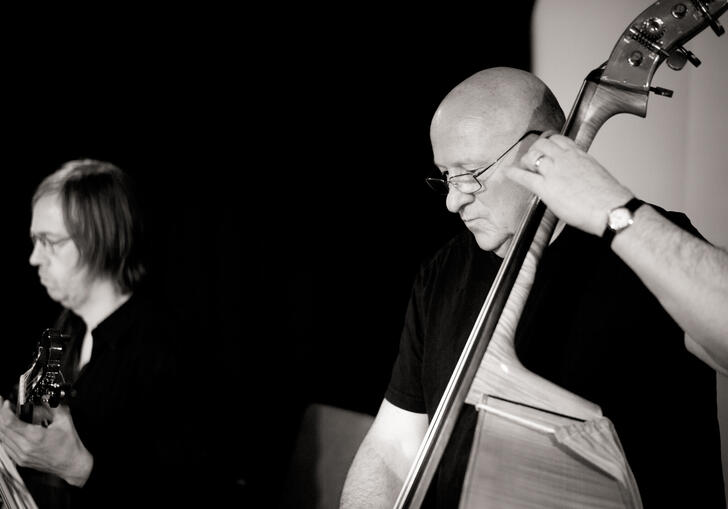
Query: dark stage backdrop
x=281, y=172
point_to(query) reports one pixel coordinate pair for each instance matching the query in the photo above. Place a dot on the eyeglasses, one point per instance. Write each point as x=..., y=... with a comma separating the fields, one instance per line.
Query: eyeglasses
x=468, y=182
x=47, y=244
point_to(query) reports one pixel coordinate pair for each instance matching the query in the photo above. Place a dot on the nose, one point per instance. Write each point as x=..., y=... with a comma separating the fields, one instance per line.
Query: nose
x=456, y=200
x=37, y=255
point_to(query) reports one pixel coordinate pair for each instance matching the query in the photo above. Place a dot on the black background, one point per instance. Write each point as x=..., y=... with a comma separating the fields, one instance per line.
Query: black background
x=281, y=171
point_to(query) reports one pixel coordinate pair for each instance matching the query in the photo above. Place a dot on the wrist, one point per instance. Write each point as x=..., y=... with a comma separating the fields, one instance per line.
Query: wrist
x=80, y=469
x=620, y=218
x=604, y=204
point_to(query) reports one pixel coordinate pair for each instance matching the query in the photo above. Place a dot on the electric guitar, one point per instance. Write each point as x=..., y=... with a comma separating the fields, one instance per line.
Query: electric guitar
x=41, y=386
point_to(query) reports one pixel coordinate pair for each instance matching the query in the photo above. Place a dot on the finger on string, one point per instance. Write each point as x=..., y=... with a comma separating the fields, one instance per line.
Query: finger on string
x=19, y=457
x=547, y=147
x=12, y=449
x=563, y=142
x=6, y=416
x=7, y=410
x=13, y=436
x=4, y=453
x=19, y=431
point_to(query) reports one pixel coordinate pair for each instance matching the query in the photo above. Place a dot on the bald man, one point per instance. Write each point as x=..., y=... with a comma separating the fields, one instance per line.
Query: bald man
x=590, y=325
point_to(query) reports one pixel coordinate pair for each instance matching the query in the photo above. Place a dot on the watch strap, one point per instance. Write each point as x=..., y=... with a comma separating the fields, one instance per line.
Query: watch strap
x=632, y=205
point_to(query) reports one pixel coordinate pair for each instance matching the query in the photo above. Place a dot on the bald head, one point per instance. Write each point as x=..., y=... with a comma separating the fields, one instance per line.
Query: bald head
x=500, y=101
x=473, y=129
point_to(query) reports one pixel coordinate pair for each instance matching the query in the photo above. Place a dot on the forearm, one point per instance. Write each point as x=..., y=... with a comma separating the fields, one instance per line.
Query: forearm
x=686, y=274
x=373, y=480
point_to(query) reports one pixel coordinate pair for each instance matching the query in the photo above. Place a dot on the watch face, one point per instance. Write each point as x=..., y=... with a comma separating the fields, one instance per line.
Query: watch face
x=620, y=218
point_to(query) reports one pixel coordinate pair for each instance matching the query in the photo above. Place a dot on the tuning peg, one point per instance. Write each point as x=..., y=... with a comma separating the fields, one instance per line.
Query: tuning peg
x=714, y=23
x=679, y=56
x=691, y=56
x=665, y=92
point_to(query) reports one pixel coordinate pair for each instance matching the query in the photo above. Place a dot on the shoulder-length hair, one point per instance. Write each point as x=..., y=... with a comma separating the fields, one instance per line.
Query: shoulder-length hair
x=102, y=218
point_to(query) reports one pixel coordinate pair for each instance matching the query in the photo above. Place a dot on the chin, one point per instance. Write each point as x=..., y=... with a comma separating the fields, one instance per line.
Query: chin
x=55, y=295
x=490, y=243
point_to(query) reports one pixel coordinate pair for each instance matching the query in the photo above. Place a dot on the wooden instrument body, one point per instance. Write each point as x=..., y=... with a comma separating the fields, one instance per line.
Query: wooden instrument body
x=513, y=465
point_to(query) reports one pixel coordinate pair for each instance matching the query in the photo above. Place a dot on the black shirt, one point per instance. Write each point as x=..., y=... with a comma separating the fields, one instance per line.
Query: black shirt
x=589, y=326
x=128, y=406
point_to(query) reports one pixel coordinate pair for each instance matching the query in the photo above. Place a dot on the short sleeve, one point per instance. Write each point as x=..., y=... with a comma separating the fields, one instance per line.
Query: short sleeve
x=405, y=387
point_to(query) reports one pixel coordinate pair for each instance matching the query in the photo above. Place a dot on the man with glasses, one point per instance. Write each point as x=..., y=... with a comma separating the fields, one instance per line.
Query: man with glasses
x=589, y=325
x=109, y=444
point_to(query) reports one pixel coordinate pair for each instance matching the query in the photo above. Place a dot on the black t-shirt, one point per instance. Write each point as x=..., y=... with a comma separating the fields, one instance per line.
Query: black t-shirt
x=589, y=326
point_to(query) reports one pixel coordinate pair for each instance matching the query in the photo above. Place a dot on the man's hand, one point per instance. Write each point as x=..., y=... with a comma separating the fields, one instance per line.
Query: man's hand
x=56, y=449
x=576, y=188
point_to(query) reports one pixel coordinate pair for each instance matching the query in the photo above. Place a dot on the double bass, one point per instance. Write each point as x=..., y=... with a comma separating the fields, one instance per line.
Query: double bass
x=554, y=448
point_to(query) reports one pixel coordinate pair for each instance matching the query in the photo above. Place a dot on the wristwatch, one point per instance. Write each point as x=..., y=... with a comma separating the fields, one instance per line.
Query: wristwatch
x=620, y=218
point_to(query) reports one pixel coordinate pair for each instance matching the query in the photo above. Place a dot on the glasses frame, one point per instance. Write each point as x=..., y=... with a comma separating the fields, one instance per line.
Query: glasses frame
x=442, y=184
x=48, y=245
